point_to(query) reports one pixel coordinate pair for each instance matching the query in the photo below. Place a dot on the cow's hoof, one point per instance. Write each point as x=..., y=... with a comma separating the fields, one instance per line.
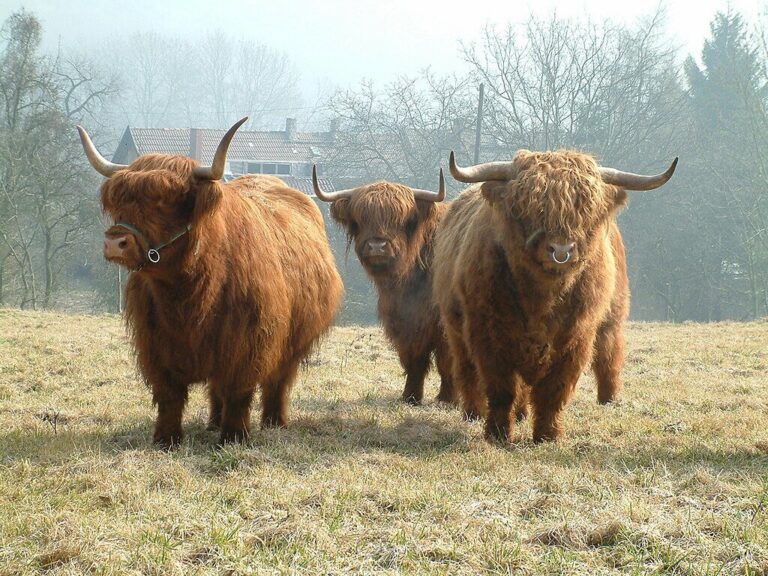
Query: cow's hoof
x=496, y=434
x=472, y=416
x=447, y=399
x=167, y=441
x=411, y=399
x=274, y=421
x=548, y=436
x=232, y=437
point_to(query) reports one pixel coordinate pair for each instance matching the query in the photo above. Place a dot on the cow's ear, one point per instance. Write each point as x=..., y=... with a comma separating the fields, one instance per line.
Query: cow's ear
x=207, y=197
x=493, y=192
x=424, y=211
x=340, y=211
x=620, y=199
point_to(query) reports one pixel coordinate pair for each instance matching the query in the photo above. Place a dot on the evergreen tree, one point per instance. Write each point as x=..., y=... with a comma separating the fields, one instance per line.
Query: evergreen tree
x=727, y=102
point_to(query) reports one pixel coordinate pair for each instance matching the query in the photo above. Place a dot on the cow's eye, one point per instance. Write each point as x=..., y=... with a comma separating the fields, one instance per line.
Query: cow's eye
x=353, y=227
x=411, y=225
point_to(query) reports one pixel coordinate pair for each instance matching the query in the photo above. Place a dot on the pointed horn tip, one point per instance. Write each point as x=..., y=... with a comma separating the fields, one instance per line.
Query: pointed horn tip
x=316, y=186
x=673, y=166
x=453, y=168
x=82, y=132
x=315, y=183
x=441, y=187
x=669, y=172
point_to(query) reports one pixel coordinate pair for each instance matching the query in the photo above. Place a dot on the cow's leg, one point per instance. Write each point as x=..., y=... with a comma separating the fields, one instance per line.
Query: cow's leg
x=608, y=361
x=463, y=369
x=501, y=391
x=549, y=399
x=215, y=406
x=522, y=398
x=416, y=368
x=466, y=379
x=550, y=395
x=170, y=398
x=274, y=395
x=443, y=362
x=235, y=415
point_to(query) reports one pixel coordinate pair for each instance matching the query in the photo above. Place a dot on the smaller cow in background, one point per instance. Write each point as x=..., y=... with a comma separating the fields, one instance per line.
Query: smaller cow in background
x=392, y=227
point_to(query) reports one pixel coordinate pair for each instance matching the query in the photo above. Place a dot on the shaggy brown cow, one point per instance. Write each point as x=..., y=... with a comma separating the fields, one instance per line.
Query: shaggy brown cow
x=530, y=277
x=392, y=227
x=232, y=283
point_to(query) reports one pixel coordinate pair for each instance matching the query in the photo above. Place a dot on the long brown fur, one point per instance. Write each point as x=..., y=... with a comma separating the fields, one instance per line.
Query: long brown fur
x=517, y=322
x=237, y=302
x=387, y=211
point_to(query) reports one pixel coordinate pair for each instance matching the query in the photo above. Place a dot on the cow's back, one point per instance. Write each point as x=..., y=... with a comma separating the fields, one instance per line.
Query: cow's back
x=456, y=247
x=302, y=267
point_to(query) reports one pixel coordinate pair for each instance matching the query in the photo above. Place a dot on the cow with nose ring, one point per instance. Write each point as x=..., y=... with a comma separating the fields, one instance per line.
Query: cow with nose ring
x=530, y=277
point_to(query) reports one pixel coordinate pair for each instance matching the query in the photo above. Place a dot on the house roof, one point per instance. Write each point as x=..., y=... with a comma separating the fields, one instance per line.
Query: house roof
x=305, y=184
x=246, y=145
x=298, y=183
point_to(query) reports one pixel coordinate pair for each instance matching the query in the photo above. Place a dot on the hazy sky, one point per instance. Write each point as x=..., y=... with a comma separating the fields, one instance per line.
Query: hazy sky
x=342, y=41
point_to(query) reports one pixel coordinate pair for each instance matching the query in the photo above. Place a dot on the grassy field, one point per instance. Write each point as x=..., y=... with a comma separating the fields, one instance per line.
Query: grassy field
x=673, y=480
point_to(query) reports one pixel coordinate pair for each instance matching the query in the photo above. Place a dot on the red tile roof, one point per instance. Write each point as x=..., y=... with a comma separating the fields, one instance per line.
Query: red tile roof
x=246, y=145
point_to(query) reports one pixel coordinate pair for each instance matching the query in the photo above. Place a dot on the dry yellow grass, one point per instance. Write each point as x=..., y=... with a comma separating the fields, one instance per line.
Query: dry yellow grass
x=672, y=480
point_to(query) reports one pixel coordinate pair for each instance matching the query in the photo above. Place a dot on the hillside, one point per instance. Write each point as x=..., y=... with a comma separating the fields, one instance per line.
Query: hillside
x=674, y=479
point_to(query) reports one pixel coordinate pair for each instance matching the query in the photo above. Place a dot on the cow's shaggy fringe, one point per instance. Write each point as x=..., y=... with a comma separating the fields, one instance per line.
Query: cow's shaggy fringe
x=562, y=191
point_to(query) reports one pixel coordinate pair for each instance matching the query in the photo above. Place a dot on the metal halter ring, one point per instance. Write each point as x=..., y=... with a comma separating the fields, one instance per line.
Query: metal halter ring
x=567, y=257
x=154, y=256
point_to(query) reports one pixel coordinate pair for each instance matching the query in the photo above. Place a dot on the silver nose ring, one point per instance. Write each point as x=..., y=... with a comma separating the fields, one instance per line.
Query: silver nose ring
x=567, y=257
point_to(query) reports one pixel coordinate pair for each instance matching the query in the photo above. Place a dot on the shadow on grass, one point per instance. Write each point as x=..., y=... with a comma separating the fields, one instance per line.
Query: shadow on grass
x=324, y=439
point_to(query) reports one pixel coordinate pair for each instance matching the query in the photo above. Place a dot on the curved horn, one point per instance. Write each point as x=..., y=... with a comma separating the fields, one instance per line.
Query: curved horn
x=630, y=181
x=99, y=163
x=430, y=196
x=216, y=170
x=328, y=196
x=480, y=172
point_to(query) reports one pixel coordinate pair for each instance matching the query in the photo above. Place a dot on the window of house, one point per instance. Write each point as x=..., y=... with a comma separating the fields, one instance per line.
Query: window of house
x=265, y=168
x=237, y=167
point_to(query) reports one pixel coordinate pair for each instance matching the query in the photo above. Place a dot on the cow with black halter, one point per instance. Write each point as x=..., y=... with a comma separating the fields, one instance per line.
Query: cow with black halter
x=232, y=283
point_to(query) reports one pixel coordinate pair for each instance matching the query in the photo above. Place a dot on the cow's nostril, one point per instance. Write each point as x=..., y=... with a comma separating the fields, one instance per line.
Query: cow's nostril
x=123, y=244
x=554, y=247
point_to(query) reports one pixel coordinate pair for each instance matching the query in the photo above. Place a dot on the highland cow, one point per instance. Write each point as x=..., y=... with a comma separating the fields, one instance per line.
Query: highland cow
x=392, y=228
x=531, y=280
x=232, y=283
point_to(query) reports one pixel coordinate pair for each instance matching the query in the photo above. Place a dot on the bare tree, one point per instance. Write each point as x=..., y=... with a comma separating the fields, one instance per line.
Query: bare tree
x=44, y=185
x=246, y=78
x=169, y=82
x=147, y=78
x=557, y=83
x=404, y=132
